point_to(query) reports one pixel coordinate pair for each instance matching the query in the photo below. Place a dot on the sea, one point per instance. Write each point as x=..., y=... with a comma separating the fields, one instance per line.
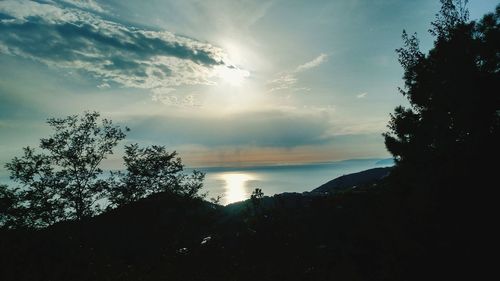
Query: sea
x=232, y=184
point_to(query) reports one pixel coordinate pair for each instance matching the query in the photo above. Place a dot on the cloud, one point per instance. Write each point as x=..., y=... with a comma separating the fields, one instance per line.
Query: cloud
x=103, y=86
x=166, y=96
x=263, y=128
x=257, y=137
x=312, y=64
x=362, y=95
x=69, y=35
x=288, y=80
x=85, y=4
x=284, y=81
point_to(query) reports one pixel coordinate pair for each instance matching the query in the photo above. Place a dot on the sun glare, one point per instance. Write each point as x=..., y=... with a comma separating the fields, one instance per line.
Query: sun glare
x=232, y=75
x=235, y=186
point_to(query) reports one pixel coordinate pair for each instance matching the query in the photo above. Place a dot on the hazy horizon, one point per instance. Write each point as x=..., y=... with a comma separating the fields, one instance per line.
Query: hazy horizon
x=235, y=184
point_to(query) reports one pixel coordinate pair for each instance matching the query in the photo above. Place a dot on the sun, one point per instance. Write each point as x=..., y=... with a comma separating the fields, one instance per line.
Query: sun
x=232, y=75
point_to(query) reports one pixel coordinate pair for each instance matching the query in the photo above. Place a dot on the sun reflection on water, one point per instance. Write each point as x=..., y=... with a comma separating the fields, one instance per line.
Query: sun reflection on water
x=235, y=186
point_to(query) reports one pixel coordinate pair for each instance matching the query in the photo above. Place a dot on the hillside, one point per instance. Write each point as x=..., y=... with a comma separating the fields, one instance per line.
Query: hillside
x=353, y=180
x=367, y=235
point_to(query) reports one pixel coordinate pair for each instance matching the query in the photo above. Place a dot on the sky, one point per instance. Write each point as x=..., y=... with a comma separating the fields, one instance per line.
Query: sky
x=225, y=82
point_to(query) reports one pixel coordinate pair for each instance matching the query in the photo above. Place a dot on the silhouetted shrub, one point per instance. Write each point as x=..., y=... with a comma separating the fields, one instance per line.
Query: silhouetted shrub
x=152, y=170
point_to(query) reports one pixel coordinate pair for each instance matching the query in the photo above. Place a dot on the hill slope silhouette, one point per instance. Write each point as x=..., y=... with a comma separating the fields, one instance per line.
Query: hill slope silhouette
x=353, y=180
x=364, y=234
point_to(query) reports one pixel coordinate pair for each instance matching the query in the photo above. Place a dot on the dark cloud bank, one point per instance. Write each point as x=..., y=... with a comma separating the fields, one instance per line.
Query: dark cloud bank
x=65, y=36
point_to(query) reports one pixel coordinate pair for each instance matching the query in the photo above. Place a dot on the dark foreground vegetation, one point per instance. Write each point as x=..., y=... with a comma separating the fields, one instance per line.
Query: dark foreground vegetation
x=372, y=232
x=431, y=218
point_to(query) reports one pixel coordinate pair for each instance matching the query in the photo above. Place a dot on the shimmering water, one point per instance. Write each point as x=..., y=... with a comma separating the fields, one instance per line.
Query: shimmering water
x=236, y=184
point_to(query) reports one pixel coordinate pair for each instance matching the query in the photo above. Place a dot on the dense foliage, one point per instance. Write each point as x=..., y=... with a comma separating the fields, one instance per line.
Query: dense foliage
x=452, y=126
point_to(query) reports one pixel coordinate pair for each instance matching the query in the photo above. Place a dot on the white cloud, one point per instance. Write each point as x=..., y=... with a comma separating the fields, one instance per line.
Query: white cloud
x=166, y=96
x=288, y=80
x=103, y=86
x=284, y=81
x=21, y=10
x=73, y=37
x=85, y=4
x=312, y=64
x=362, y=95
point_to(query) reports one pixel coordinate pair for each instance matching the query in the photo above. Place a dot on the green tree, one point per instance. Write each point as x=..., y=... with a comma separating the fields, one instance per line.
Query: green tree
x=64, y=181
x=152, y=170
x=453, y=123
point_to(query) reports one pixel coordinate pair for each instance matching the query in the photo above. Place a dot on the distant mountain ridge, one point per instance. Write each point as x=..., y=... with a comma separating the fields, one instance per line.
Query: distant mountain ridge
x=376, y=161
x=352, y=180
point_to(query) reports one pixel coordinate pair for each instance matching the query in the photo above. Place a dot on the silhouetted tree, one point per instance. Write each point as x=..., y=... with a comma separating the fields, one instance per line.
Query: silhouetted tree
x=152, y=170
x=215, y=200
x=256, y=199
x=63, y=182
x=453, y=123
x=10, y=209
x=256, y=196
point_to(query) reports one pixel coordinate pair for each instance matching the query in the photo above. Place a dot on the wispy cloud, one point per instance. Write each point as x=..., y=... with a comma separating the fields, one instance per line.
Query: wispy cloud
x=69, y=34
x=288, y=80
x=167, y=96
x=284, y=81
x=362, y=95
x=312, y=64
x=85, y=4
